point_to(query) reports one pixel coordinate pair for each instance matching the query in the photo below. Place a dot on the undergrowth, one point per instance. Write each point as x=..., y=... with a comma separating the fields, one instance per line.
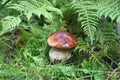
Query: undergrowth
x=26, y=24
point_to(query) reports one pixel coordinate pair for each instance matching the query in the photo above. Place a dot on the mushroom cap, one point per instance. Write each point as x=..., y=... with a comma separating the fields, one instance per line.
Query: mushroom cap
x=62, y=39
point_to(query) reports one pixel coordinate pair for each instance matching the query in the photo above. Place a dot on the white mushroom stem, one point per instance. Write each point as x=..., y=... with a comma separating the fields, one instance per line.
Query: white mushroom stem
x=57, y=54
x=74, y=1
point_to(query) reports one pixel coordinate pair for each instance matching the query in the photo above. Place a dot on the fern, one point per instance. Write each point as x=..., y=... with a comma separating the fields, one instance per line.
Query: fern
x=107, y=33
x=107, y=36
x=109, y=8
x=87, y=17
x=9, y=23
x=82, y=45
x=36, y=7
x=85, y=49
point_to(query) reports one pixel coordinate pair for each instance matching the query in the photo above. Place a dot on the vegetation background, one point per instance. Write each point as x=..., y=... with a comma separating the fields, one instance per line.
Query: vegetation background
x=26, y=24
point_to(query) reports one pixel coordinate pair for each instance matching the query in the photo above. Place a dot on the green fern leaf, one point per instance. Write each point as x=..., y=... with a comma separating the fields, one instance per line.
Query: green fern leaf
x=9, y=23
x=36, y=7
x=109, y=8
x=107, y=36
x=82, y=45
x=87, y=17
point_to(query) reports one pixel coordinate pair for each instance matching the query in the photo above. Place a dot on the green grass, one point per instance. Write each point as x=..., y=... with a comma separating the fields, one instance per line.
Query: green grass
x=31, y=61
x=26, y=24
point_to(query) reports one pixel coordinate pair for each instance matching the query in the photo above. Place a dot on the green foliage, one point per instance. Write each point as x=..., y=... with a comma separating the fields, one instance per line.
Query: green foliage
x=109, y=8
x=23, y=40
x=96, y=70
x=89, y=13
x=36, y=7
x=107, y=37
x=87, y=17
x=9, y=23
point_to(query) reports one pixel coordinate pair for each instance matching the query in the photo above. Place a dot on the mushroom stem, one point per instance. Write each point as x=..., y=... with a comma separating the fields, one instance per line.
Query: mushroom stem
x=57, y=54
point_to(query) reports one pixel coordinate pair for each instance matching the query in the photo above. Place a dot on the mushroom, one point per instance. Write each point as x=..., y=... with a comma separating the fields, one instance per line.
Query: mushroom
x=61, y=43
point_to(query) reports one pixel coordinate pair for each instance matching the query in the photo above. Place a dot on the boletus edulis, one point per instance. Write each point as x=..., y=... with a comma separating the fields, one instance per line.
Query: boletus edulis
x=61, y=42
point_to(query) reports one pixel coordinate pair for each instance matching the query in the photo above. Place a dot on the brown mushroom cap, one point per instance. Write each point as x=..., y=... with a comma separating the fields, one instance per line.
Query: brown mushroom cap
x=62, y=39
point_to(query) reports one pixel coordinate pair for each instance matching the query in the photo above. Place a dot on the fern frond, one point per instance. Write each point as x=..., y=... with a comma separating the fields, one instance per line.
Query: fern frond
x=109, y=8
x=36, y=7
x=82, y=45
x=9, y=23
x=107, y=36
x=85, y=48
x=87, y=17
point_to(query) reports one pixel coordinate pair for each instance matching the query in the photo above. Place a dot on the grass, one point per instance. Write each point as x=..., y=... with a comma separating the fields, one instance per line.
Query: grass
x=24, y=48
x=31, y=62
